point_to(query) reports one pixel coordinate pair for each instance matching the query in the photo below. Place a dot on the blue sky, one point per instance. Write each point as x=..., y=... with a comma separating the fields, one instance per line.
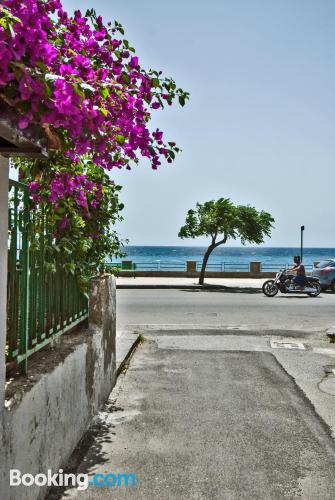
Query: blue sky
x=260, y=125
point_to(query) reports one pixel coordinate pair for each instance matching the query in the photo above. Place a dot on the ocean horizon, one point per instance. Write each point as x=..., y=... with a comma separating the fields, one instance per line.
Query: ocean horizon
x=175, y=257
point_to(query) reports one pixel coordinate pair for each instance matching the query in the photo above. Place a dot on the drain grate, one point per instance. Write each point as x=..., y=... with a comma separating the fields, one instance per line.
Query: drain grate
x=282, y=344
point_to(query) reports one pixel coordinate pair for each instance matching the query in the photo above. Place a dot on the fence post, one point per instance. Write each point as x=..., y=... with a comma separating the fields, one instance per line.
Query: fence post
x=4, y=174
x=191, y=266
x=25, y=283
x=255, y=267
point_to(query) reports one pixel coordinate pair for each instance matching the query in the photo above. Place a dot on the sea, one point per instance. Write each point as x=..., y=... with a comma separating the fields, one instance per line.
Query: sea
x=222, y=258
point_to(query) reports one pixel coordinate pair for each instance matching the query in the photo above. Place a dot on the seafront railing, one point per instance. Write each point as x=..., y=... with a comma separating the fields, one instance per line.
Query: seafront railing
x=221, y=267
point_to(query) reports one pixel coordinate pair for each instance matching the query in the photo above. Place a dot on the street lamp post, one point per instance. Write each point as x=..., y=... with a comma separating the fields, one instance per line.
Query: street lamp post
x=302, y=229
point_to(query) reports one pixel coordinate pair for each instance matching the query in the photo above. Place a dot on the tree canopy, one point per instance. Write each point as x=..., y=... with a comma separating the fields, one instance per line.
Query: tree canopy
x=221, y=220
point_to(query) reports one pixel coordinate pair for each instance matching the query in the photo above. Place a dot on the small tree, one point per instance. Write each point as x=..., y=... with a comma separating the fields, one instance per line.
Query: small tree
x=222, y=220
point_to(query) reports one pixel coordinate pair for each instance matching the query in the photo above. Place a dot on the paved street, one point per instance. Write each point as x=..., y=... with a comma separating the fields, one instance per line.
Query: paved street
x=238, y=307
x=227, y=398
x=195, y=419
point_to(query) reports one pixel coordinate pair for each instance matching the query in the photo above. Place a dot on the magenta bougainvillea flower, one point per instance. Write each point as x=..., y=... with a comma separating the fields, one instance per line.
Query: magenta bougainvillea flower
x=81, y=81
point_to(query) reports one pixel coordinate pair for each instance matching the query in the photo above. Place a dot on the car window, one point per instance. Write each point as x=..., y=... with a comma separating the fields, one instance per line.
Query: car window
x=325, y=263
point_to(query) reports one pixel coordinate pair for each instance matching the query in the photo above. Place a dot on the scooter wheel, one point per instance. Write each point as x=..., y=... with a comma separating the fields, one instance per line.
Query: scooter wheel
x=270, y=288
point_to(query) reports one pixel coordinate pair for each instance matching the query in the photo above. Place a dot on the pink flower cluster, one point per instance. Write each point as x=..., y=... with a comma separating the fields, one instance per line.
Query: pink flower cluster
x=73, y=76
x=77, y=187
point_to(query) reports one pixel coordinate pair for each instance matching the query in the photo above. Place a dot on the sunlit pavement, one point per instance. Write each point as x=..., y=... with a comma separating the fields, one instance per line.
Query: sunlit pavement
x=231, y=396
x=166, y=281
x=244, y=308
x=217, y=417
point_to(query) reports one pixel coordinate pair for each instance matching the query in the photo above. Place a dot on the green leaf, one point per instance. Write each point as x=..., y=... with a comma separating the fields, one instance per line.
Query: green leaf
x=120, y=139
x=78, y=90
x=104, y=92
x=42, y=66
x=126, y=78
x=104, y=111
x=181, y=100
x=155, y=82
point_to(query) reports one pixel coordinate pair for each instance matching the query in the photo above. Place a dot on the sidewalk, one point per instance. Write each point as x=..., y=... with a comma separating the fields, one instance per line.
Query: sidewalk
x=126, y=342
x=210, y=417
x=138, y=282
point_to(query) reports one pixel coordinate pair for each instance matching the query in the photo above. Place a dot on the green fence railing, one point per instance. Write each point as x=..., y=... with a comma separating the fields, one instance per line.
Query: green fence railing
x=41, y=304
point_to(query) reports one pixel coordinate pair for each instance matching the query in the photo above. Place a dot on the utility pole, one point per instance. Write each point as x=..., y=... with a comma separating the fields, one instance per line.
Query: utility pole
x=302, y=229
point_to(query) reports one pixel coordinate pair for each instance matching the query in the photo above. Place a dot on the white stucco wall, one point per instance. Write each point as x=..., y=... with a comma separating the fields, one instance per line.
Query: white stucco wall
x=45, y=419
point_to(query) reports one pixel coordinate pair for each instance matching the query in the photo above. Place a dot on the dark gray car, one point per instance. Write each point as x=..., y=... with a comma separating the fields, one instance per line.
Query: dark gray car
x=325, y=271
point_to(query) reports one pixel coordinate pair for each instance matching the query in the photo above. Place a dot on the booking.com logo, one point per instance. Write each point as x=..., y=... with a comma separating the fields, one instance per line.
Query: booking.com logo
x=80, y=481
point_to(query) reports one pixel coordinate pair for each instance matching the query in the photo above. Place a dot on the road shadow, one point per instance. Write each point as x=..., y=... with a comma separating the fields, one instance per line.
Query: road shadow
x=223, y=289
x=292, y=296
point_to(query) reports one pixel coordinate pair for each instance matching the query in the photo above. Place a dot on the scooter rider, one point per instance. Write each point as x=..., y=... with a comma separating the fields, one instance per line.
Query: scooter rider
x=299, y=268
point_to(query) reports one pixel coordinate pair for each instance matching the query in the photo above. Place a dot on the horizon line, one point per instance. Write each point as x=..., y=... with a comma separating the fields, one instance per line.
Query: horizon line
x=228, y=246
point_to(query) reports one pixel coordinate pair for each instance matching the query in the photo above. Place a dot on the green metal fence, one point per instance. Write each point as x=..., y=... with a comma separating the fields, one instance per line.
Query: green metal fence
x=41, y=304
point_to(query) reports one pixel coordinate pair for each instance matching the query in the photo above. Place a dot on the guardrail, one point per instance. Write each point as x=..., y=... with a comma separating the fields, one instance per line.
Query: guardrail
x=41, y=304
x=272, y=267
x=146, y=266
x=160, y=266
x=223, y=267
x=276, y=267
x=220, y=267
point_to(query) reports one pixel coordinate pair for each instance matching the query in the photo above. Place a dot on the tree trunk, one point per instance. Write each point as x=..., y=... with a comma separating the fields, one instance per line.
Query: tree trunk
x=204, y=263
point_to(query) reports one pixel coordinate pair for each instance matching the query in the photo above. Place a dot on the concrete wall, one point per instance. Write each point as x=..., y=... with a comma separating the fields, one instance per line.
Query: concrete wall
x=4, y=168
x=47, y=414
x=185, y=274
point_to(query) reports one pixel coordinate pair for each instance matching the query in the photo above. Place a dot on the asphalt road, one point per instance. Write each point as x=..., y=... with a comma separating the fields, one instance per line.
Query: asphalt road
x=195, y=424
x=244, y=308
x=204, y=412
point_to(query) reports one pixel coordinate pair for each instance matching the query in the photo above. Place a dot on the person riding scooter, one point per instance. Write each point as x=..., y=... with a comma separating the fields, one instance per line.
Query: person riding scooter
x=300, y=279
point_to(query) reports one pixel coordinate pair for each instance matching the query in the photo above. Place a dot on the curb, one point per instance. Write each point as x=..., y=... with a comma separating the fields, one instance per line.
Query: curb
x=179, y=287
x=123, y=365
x=162, y=287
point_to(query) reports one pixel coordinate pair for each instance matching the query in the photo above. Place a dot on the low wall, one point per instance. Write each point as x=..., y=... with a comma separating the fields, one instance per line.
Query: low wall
x=254, y=271
x=47, y=413
x=185, y=274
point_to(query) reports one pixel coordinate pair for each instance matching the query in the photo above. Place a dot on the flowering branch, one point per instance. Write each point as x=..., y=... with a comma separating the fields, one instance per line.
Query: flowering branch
x=77, y=205
x=82, y=82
